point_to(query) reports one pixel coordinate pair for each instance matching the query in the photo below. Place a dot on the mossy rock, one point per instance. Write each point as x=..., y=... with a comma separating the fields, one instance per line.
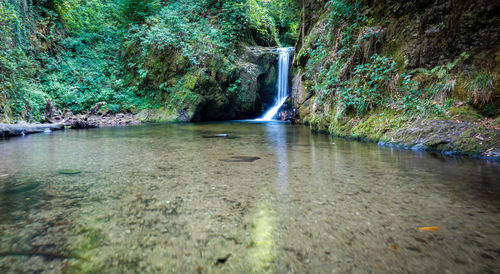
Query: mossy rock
x=158, y=115
x=378, y=124
x=319, y=122
x=304, y=112
x=449, y=136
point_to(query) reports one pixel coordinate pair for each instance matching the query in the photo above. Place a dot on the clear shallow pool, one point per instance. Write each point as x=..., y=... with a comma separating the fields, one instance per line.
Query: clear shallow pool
x=266, y=197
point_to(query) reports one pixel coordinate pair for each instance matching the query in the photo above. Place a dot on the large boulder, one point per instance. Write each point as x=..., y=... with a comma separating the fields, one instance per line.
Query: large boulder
x=244, y=94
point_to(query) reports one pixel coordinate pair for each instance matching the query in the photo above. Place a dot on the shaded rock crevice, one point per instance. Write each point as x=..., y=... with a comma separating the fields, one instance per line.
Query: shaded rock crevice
x=244, y=94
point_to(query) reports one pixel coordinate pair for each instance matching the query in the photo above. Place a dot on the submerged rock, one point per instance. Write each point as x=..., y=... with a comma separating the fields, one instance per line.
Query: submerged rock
x=246, y=159
x=69, y=171
x=224, y=136
x=222, y=260
x=15, y=189
x=419, y=147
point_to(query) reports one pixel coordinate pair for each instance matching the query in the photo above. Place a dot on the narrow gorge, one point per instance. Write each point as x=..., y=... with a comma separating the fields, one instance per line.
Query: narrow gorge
x=249, y=136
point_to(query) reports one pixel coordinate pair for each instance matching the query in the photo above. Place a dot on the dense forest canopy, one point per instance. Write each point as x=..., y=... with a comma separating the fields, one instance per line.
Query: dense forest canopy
x=132, y=54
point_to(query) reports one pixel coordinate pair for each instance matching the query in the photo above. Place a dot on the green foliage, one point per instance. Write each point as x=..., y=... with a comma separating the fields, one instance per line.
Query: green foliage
x=285, y=14
x=89, y=16
x=440, y=80
x=465, y=113
x=132, y=54
x=169, y=51
x=340, y=76
x=7, y=18
x=231, y=17
x=136, y=11
x=240, y=21
x=340, y=11
x=234, y=87
x=75, y=70
x=262, y=23
x=190, y=44
x=176, y=29
x=20, y=91
x=364, y=91
x=342, y=58
x=89, y=71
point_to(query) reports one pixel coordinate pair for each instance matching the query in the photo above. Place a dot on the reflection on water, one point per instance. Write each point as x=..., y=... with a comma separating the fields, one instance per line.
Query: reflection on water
x=240, y=197
x=277, y=143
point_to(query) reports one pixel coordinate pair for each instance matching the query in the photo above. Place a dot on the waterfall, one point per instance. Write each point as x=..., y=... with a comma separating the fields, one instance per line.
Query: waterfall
x=282, y=85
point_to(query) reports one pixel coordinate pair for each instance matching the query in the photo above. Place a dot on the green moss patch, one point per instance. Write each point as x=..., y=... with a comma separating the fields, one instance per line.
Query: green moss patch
x=465, y=113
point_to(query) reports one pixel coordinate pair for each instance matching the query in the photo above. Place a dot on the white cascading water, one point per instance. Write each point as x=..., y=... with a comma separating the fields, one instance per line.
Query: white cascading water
x=282, y=85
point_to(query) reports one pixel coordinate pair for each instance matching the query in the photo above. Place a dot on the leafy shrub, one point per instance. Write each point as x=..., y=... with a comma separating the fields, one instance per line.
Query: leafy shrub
x=88, y=16
x=136, y=11
x=75, y=71
x=364, y=91
x=481, y=88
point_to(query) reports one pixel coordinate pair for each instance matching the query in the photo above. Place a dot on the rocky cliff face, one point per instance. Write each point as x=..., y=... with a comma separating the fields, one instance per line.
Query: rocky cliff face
x=420, y=61
x=419, y=34
x=431, y=33
x=243, y=93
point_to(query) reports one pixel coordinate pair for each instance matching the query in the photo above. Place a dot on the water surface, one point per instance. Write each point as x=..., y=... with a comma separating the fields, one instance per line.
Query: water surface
x=240, y=197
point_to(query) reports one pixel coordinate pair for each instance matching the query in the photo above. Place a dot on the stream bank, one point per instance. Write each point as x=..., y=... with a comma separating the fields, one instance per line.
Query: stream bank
x=446, y=136
x=55, y=119
x=23, y=128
